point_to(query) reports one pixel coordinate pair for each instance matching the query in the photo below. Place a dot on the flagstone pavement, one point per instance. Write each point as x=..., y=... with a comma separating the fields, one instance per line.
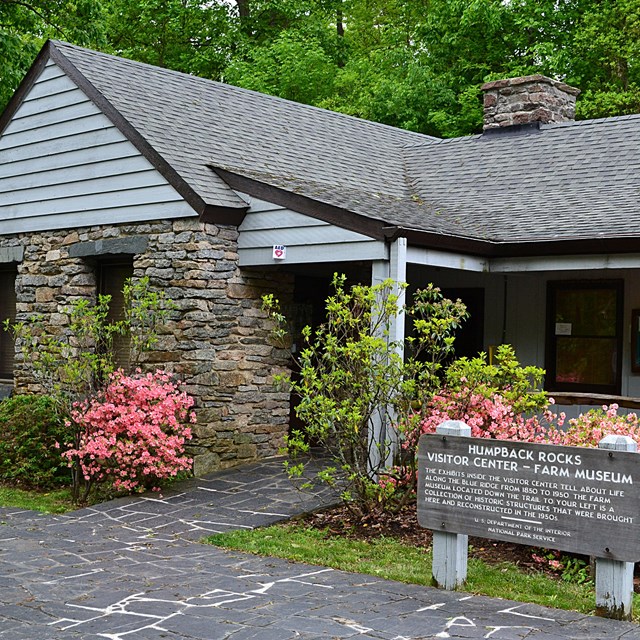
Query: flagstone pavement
x=132, y=569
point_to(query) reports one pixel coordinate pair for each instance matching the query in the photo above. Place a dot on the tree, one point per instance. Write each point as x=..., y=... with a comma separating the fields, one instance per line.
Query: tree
x=606, y=64
x=24, y=26
x=192, y=36
x=351, y=376
x=417, y=65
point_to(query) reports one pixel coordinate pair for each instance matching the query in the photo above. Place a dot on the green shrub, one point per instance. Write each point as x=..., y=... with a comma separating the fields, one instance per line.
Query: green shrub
x=30, y=427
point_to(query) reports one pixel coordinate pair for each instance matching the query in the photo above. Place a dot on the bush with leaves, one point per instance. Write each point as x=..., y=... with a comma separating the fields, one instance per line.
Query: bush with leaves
x=353, y=381
x=132, y=433
x=589, y=428
x=30, y=427
x=73, y=368
x=520, y=386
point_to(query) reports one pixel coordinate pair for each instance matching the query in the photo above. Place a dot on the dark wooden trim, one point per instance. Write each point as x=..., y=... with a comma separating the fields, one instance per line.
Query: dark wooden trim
x=304, y=204
x=223, y=215
x=595, y=399
x=587, y=246
x=431, y=240
x=492, y=249
x=133, y=135
x=25, y=86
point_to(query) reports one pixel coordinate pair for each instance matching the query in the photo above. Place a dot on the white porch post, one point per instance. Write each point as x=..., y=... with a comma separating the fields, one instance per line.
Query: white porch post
x=396, y=269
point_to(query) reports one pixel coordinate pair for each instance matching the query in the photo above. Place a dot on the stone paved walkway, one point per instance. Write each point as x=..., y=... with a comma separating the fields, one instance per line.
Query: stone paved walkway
x=132, y=570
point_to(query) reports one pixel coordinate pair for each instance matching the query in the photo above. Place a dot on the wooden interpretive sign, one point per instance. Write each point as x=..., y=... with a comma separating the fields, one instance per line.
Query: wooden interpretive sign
x=568, y=498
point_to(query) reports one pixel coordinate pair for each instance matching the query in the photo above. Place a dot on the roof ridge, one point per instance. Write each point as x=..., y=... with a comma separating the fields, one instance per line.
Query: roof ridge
x=589, y=121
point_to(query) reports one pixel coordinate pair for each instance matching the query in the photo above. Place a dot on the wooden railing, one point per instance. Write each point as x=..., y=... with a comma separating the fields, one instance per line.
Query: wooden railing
x=566, y=397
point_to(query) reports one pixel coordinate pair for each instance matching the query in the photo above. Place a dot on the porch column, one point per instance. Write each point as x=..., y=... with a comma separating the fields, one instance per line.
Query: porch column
x=382, y=432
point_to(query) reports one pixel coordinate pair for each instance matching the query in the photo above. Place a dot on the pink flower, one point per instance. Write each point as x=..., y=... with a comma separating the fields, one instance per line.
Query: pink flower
x=133, y=431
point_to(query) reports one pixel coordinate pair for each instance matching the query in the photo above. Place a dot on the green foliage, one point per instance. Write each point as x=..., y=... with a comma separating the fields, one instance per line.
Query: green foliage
x=74, y=365
x=352, y=378
x=520, y=386
x=576, y=571
x=146, y=310
x=293, y=66
x=417, y=65
x=71, y=366
x=192, y=36
x=24, y=26
x=31, y=430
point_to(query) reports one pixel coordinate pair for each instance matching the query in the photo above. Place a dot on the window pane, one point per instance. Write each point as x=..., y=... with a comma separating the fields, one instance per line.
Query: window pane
x=591, y=312
x=7, y=311
x=586, y=360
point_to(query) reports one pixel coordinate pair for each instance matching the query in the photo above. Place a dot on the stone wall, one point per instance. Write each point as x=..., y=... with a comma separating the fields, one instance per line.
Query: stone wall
x=526, y=100
x=217, y=341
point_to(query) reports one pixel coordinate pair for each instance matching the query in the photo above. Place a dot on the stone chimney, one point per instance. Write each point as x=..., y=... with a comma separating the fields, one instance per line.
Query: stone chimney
x=526, y=101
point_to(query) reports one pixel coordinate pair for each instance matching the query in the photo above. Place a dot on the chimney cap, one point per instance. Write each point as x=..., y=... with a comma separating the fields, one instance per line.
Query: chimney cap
x=527, y=99
x=537, y=77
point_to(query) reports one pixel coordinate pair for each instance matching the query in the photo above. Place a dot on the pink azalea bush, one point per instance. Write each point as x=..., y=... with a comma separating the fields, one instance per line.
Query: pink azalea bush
x=493, y=417
x=488, y=414
x=589, y=428
x=132, y=433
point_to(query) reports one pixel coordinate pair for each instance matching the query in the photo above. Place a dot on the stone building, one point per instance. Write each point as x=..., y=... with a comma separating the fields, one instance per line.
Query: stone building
x=111, y=168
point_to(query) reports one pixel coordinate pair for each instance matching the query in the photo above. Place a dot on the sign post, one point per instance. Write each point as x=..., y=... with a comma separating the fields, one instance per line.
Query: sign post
x=450, y=550
x=614, y=578
x=574, y=499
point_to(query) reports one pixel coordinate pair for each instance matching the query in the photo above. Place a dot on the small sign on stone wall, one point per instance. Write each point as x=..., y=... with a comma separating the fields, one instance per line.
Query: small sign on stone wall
x=568, y=498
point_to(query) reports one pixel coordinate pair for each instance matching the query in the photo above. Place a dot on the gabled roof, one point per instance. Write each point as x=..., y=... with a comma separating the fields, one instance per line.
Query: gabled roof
x=196, y=125
x=573, y=187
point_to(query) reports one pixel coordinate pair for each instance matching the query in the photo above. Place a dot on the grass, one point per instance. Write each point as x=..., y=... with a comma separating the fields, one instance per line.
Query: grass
x=57, y=501
x=390, y=559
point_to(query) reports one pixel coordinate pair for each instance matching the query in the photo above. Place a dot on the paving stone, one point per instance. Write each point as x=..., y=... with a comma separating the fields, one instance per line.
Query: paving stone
x=132, y=569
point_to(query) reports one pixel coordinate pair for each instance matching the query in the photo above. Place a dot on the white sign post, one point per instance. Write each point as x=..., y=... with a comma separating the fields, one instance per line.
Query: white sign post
x=614, y=579
x=450, y=550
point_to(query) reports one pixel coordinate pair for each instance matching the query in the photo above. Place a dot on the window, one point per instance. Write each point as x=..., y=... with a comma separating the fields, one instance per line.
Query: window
x=111, y=279
x=7, y=311
x=470, y=336
x=584, y=336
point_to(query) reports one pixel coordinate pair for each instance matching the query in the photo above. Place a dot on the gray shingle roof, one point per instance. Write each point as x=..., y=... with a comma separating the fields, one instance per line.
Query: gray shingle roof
x=571, y=180
x=562, y=182
x=194, y=122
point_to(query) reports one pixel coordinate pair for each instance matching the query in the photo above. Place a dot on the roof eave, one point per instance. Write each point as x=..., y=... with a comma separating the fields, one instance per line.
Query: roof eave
x=303, y=204
x=502, y=249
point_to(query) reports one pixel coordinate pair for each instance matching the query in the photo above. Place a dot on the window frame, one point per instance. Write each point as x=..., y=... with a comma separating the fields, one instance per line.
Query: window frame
x=551, y=339
x=103, y=267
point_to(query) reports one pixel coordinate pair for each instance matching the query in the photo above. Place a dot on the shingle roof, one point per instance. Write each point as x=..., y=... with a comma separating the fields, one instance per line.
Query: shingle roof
x=194, y=122
x=562, y=182
x=571, y=180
